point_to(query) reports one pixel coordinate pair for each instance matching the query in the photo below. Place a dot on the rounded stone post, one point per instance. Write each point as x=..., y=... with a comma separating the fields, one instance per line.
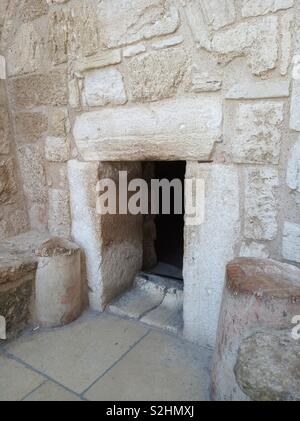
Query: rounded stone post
x=58, y=283
x=259, y=296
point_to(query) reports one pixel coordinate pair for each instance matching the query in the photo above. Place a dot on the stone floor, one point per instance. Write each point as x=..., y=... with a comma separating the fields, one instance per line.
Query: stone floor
x=103, y=357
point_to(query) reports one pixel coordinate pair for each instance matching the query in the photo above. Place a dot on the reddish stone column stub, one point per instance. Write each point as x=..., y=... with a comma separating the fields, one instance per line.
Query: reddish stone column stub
x=259, y=296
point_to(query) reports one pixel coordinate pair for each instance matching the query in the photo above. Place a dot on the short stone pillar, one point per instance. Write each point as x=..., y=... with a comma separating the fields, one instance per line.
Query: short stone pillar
x=261, y=297
x=58, y=283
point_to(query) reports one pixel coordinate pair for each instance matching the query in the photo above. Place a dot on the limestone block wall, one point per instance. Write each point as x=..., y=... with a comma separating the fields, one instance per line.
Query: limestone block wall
x=13, y=212
x=200, y=80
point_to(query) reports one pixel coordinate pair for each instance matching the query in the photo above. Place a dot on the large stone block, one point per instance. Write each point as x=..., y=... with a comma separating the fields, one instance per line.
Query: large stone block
x=291, y=242
x=57, y=149
x=112, y=243
x=218, y=13
x=27, y=51
x=133, y=20
x=208, y=248
x=8, y=185
x=258, y=133
x=59, y=218
x=30, y=126
x=261, y=204
x=256, y=40
x=4, y=131
x=32, y=9
x=295, y=107
x=157, y=75
x=59, y=123
x=103, y=87
x=16, y=292
x=259, y=90
x=184, y=128
x=293, y=169
x=262, y=7
x=267, y=367
x=33, y=173
x=38, y=90
x=74, y=31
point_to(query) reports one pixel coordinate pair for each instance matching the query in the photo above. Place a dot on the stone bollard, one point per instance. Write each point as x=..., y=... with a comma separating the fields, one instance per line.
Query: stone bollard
x=260, y=299
x=58, y=283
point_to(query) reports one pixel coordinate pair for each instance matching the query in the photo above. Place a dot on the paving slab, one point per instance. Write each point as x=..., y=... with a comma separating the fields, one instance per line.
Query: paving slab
x=51, y=392
x=16, y=381
x=161, y=367
x=78, y=354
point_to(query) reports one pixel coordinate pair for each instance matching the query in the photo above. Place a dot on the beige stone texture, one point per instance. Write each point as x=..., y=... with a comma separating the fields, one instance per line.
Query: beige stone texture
x=30, y=126
x=59, y=218
x=4, y=132
x=157, y=75
x=33, y=173
x=134, y=20
x=39, y=89
x=185, y=128
x=258, y=133
x=261, y=203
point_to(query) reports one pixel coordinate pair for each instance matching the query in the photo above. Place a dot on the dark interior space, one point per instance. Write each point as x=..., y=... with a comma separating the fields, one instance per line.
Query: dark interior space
x=169, y=243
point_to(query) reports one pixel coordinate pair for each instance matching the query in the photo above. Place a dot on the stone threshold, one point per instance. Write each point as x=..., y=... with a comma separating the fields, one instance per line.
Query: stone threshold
x=154, y=300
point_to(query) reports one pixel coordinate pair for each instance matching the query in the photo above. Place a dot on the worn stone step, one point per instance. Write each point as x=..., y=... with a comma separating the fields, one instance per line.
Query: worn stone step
x=156, y=301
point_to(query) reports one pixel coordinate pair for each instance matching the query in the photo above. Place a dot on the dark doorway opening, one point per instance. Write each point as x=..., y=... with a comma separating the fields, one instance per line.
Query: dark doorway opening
x=169, y=242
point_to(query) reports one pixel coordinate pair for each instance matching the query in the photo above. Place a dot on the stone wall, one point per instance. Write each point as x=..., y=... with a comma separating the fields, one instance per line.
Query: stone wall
x=201, y=80
x=13, y=212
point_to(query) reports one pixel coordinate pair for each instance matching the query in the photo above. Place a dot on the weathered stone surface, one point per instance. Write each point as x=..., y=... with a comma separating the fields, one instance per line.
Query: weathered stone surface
x=58, y=298
x=57, y=149
x=112, y=243
x=258, y=133
x=74, y=31
x=59, y=218
x=14, y=268
x=102, y=59
x=134, y=50
x=205, y=261
x=204, y=82
x=57, y=175
x=4, y=131
x=256, y=250
x=293, y=170
x=136, y=20
x=157, y=75
x=261, y=205
x=267, y=367
x=168, y=42
x=33, y=173
x=259, y=90
x=30, y=127
x=59, y=124
x=291, y=242
x=262, y=7
x=218, y=13
x=2, y=68
x=32, y=9
x=8, y=186
x=260, y=295
x=287, y=21
x=15, y=304
x=266, y=277
x=103, y=87
x=59, y=36
x=185, y=128
x=37, y=90
x=27, y=50
x=295, y=107
x=198, y=24
x=258, y=41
